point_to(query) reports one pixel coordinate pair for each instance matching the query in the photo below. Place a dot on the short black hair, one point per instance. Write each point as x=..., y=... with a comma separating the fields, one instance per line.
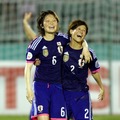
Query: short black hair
x=74, y=24
x=41, y=18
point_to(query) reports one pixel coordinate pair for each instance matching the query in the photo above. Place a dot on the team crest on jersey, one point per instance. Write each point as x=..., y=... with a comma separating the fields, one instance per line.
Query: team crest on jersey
x=81, y=62
x=66, y=56
x=45, y=51
x=60, y=47
x=40, y=108
x=97, y=64
x=29, y=55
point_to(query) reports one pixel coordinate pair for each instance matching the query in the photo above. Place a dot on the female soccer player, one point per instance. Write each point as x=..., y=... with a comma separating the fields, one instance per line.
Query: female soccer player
x=47, y=96
x=75, y=73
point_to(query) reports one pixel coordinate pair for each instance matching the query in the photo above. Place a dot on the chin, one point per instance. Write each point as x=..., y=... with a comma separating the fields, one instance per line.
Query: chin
x=53, y=31
x=79, y=41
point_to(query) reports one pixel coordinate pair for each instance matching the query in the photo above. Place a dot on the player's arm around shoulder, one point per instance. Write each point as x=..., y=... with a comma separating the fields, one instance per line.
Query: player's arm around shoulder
x=85, y=53
x=27, y=28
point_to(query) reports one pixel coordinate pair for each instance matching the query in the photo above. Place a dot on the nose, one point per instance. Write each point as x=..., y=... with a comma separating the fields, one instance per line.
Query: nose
x=51, y=22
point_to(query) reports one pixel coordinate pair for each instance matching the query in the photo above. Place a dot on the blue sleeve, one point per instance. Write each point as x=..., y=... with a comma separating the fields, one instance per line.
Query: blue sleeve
x=30, y=55
x=64, y=38
x=94, y=64
x=33, y=50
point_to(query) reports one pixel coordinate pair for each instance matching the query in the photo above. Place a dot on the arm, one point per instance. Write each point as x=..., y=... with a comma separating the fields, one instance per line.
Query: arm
x=27, y=76
x=97, y=78
x=86, y=52
x=27, y=28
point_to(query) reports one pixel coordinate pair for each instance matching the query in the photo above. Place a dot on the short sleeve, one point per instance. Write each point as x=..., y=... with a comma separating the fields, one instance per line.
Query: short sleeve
x=94, y=65
x=33, y=50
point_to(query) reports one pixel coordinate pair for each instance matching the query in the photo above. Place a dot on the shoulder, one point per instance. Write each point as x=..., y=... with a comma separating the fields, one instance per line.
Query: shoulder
x=91, y=50
x=92, y=53
x=36, y=40
x=63, y=38
x=60, y=34
x=34, y=43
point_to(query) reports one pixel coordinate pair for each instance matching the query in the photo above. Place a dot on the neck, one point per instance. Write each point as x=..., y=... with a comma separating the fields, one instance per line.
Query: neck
x=75, y=45
x=49, y=37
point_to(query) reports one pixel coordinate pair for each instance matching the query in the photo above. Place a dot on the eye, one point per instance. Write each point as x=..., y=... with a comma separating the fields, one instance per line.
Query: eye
x=79, y=29
x=47, y=21
x=83, y=30
x=54, y=20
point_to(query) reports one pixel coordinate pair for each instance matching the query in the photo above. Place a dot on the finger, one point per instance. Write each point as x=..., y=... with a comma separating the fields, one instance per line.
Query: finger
x=87, y=59
x=81, y=56
x=29, y=99
x=90, y=57
x=29, y=15
x=100, y=97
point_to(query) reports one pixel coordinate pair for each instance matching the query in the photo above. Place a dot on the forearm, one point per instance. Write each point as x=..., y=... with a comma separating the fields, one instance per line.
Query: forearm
x=27, y=76
x=28, y=30
x=85, y=53
x=97, y=78
x=99, y=82
x=85, y=44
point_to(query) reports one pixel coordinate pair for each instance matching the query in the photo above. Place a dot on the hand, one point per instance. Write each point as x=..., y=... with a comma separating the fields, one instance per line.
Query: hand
x=101, y=94
x=37, y=62
x=87, y=55
x=27, y=17
x=29, y=95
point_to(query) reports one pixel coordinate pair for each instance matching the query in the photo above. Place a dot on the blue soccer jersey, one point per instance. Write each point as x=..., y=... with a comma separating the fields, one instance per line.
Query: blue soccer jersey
x=50, y=55
x=75, y=70
x=47, y=79
x=74, y=80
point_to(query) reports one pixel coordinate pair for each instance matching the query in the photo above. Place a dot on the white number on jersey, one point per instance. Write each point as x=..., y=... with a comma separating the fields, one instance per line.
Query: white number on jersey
x=54, y=61
x=62, y=111
x=72, y=67
x=86, y=114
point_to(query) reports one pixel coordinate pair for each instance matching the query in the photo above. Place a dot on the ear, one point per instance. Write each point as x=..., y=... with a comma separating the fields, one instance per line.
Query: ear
x=41, y=26
x=71, y=31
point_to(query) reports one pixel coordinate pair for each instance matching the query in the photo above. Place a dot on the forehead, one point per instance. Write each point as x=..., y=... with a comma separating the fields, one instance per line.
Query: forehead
x=81, y=27
x=50, y=16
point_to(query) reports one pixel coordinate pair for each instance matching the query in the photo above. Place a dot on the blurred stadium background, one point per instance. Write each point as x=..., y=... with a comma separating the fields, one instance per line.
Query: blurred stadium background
x=103, y=19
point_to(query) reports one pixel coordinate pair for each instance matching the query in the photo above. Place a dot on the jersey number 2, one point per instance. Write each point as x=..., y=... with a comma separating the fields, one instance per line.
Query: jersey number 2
x=86, y=113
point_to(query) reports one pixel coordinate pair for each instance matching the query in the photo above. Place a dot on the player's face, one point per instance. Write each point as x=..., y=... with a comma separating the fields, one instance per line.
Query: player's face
x=50, y=24
x=78, y=34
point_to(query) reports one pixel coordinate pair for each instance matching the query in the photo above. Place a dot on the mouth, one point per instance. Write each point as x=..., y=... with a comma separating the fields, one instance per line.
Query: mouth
x=79, y=36
x=51, y=27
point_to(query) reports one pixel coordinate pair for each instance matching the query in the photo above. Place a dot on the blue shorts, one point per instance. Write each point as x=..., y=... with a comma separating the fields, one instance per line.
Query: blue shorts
x=48, y=100
x=78, y=105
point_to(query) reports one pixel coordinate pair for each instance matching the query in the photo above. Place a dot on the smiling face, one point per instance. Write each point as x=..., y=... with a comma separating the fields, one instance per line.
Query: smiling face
x=47, y=22
x=78, y=34
x=50, y=24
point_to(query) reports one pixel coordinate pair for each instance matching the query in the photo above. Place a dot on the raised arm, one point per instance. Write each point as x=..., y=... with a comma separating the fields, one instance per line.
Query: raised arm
x=27, y=28
x=97, y=78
